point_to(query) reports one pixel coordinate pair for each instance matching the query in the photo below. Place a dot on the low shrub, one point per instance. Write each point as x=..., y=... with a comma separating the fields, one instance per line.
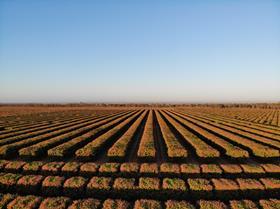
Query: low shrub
x=147, y=204
x=225, y=188
x=124, y=187
x=189, y=168
x=272, y=185
x=243, y=204
x=150, y=168
x=211, y=169
x=124, y=183
x=211, y=204
x=271, y=168
x=173, y=204
x=148, y=183
x=115, y=204
x=32, y=167
x=74, y=186
x=71, y=168
x=55, y=202
x=8, y=182
x=14, y=166
x=252, y=168
x=270, y=203
x=231, y=168
x=149, y=187
x=131, y=168
x=29, y=183
x=250, y=187
x=52, y=168
x=98, y=185
x=173, y=187
x=89, y=169
x=89, y=203
x=173, y=184
x=52, y=185
x=26, y=202
x=170, y=168
x=200, y=187
x=109, y=168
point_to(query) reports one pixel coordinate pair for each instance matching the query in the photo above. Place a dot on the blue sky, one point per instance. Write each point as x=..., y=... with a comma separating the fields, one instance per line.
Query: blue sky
x=139, y=51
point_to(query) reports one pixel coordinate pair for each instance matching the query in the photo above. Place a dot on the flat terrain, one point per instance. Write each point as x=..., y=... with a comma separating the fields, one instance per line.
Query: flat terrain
x=125, y=157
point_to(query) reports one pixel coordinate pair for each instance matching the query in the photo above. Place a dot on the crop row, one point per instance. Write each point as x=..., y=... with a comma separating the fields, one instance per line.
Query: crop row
x=18, y=121
x=59, y=119
x=70, y=146
x=41, y=126
x=53, y=130
x=11, y=201
x=202, y=149
x=61, y=145
x=42, y=129
x=61, y=134
x=15, y=138
x=248, y=127
x=260, y=117
x=144, y=187
x=120, y=147
x=234, y=130
x=228, y=148
x=175, y=150
x=256, y=148
x=146, y=148
x=136, y=169
x=90, y=150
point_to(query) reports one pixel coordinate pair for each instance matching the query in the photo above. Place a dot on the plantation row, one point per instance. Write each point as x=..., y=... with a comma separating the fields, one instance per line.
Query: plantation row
x=153, y=134
x=62, y=121
x=10, y=201
x=37, y=122
x=59, y=134
x=254, y=145
x=143, y=187
x=35, y=118
x=270, y=117
x=244, y=126
x=143, y=169
x=37, y=128
x=241, y=129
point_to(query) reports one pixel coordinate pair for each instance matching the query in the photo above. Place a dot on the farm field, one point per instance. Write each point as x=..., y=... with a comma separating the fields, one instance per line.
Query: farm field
x=140, y=158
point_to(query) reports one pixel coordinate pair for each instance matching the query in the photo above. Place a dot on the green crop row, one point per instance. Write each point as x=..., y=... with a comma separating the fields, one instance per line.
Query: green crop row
x=139, y=169
x=145, y=187
x=257, y=149
x=33, y=146
x=232, y=129
x=175, y=150
x=91, y=149
x=229, y=149
x=146, y=148
x=11, y=201
x=41, y=148
x=119, y=149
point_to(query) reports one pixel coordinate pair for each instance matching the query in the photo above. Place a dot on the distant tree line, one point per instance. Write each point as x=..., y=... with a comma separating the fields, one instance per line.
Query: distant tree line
x=220, y=105
x=238, y=105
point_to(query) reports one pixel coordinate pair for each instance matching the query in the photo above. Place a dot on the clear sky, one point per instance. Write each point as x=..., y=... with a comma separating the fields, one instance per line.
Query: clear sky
x=139, y=51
